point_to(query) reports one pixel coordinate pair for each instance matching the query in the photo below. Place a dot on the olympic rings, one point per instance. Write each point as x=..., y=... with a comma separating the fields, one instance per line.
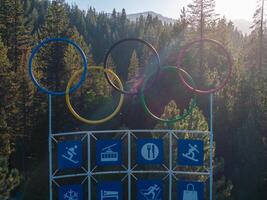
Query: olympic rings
x=229, y=61
x=75, y=114
x=107, y=72
x=125, y=40
x=35, y=51
x=177, y=118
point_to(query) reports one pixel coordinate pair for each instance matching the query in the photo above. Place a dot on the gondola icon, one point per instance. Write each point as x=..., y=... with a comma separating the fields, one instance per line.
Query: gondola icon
x=108, y=155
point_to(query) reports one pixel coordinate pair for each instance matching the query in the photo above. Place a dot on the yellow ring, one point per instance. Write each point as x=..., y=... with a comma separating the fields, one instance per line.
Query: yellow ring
x=76, y=115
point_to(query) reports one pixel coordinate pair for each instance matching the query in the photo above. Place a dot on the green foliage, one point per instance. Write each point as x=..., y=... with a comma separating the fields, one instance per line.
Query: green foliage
x=197, y=121
x=134, y=66
x=240, y=109
x=9, y=178
x=201, y=13
x=194, y=121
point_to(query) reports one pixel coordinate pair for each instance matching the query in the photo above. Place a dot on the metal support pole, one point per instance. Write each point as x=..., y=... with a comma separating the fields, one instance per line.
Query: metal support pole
x=129, y=166
x=170, y=165
x=50, y=147
x=89, y=165
x=211, y=145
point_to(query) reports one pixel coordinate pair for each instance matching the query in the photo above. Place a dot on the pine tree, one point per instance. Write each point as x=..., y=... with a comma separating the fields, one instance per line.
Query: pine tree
x=50, y=64
x=12, y=30
x=201, y=13
x=123, y=24
x=133, y=67
x=133, y=74
x=5, y=20
x=258, y=28
x=195, y=121
x=52, y=57
x=9, y=179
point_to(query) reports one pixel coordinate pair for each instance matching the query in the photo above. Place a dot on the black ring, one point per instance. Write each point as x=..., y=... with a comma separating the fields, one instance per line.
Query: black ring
x=124, y=40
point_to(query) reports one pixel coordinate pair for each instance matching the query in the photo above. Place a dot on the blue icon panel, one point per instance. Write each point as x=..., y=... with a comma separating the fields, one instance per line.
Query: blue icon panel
x=109, y=190
x=149, y=151
x=149, y=190
x=190, y=190
x=190, y=152
x=108, y=152
x=71, y=192
x=69, y=154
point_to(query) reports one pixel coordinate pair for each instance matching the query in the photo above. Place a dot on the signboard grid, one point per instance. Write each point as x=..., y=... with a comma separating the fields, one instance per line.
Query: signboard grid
x=110, y=151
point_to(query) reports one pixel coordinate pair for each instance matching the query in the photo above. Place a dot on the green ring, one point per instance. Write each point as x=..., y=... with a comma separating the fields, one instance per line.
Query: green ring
x=179, y=117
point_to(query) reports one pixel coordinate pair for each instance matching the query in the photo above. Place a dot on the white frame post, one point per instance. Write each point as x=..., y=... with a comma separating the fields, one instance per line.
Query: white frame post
x=211, y=146
x=50, y=147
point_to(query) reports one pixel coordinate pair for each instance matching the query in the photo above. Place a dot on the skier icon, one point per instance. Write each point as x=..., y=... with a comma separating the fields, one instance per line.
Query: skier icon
x=70, y=154
x=152, y=193
x=191, y=153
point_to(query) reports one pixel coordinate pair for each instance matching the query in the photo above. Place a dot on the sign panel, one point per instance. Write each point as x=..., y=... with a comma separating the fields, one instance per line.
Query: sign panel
x=190, y=190
x=149, y=151
x=69, y=154
x=109, y=190
x=190, y=152
x=71, y=192
x=108, y=152
x=149, y=190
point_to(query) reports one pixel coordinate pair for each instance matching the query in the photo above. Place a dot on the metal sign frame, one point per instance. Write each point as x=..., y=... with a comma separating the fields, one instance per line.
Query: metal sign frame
x=129, y=171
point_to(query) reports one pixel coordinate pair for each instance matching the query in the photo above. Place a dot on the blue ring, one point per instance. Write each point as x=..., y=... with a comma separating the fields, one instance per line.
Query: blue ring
x=38, y=47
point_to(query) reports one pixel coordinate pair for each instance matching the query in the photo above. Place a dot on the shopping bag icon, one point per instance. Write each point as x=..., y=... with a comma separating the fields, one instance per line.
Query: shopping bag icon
x=190, y=193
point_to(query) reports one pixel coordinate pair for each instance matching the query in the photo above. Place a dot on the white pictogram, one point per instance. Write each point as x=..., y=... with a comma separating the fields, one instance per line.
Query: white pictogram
x=191, y=153
x=109, y=195
x=150, y=151
x=71, y=154
x=190, y=194
x=71, y=195
x=108, y=155
x=151, y=193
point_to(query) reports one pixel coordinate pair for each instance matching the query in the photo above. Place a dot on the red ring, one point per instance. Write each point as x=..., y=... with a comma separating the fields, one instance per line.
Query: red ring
x=229, y=61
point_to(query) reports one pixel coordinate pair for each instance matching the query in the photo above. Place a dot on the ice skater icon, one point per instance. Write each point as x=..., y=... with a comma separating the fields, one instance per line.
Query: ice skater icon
x=70, y=154
x=152, y=193
x=191, y=153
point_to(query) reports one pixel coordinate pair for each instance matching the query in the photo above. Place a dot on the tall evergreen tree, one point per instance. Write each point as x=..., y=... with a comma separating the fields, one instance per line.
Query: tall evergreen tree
x=195, y=121
x=259, y=29
x=12, y=29
x=52, y=57
x=9, y=179
x=134, y=66
x=201, y=13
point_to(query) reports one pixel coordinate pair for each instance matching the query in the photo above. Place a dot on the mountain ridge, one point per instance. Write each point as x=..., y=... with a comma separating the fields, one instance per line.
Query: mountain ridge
x=134, y=16
x=241, y=24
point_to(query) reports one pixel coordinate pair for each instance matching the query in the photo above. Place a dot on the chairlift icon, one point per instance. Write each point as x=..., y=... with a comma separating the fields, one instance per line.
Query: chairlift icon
x=108, y=155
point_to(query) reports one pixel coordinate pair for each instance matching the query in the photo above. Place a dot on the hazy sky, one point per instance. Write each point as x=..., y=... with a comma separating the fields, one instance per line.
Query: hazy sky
x=232, y=9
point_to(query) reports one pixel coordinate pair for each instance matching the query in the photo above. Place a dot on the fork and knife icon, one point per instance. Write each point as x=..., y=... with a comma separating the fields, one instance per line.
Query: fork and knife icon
x=150, y=151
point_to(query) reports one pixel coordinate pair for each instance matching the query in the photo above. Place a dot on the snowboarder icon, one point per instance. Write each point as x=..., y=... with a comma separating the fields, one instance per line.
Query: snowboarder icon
x=70, y=154
x=151, y=193
x=191, y=153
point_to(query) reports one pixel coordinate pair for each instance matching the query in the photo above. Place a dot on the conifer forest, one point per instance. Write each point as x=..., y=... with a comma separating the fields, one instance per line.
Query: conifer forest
x=240, y=108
